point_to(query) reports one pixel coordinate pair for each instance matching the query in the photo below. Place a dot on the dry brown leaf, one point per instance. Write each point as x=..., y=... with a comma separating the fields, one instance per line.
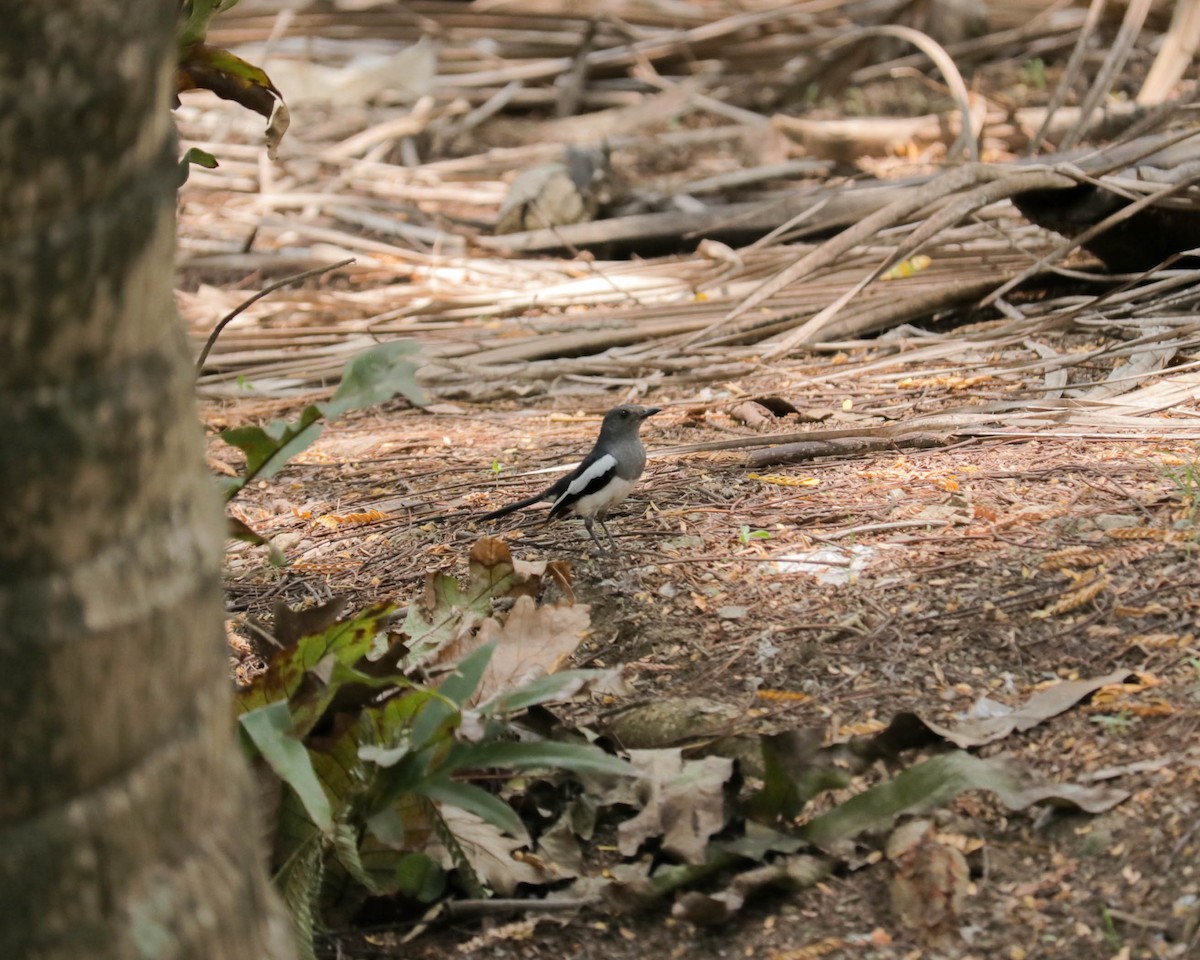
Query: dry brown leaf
x=533, y=642
x=813, y=951
x=752, y=415
x=490, y=553
x=930, y=883
x=1040, y=707
x=1088, y=587
x=331, y=521
x=1079, y=556
x=783, y=696
x=1116, y=699
x=795, y=872
x=782, y=480
x=1136, y=533
x=533, y=572
x=490, y=852
x=685, y=803
x=220, y=466
x=1159, y=639
x=1153, y=609
x=517, y=930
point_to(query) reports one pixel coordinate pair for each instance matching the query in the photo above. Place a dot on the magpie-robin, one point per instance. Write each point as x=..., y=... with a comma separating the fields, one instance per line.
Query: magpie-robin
x=605, y=477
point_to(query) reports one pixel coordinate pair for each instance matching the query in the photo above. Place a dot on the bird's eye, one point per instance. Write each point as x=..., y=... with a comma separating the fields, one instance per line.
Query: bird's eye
x=625, y=414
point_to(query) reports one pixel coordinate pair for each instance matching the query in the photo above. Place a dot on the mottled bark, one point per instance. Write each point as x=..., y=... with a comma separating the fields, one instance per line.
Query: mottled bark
x=126, y=824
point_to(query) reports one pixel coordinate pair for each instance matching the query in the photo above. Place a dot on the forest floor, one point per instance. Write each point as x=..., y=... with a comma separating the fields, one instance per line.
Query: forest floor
x=1045, y=529
x=919, y=581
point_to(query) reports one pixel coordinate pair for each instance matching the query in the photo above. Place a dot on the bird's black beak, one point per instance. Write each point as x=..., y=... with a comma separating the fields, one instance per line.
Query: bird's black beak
x=651, y=411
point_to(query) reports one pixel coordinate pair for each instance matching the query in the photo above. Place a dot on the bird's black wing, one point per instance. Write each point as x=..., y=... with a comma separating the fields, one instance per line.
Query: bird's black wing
x=591, y=476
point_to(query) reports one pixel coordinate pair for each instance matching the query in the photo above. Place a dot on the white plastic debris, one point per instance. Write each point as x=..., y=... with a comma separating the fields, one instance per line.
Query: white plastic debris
x=832, y=565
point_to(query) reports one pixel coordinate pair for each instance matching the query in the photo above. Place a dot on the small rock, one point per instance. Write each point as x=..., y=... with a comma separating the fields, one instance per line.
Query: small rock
x=1114, y=521
x=287, y=541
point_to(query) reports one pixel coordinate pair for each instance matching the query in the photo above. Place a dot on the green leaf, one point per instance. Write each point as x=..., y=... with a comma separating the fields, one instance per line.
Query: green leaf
x=237, y=529
x=780, y=797
x=542, y=690
x=198, y=14
x=935, y=781
x=435, y=618
x=423, y=718
x=382, y=870
x=193, y=26
x=338, y=770
x=292, y=674
x=507, y=755
x=203, y=67
x=392, y=723
x=471, y=798
x=454, y=692
x=240, y=530
x=371, y=377
x=384, y=756
x=271, y=731
x=194, y=157
x=376, y=376
x=388, y=827
x=200, y=158
x=269, y=449
x=229, y=486
x=447, y=608
x=464, y=681
x=299, y=881
x=417, y=876
x=458, y=856
x=377, y=881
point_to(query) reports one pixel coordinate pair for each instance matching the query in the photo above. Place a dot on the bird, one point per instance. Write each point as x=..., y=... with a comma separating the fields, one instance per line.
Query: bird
x=557, y=194
x=603, y=479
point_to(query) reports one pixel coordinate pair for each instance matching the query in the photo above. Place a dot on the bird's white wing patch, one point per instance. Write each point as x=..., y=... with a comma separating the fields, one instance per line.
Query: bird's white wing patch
x=599, y=503
x=605, y=465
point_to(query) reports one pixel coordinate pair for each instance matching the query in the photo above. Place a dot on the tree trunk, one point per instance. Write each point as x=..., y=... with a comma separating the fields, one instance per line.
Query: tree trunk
x=127, y=827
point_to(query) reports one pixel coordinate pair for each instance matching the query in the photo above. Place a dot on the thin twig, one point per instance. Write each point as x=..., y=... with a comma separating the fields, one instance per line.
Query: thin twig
x=1070, y=74
x=224, y=322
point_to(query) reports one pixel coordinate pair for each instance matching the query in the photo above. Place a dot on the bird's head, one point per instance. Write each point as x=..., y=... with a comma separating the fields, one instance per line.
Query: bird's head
x=626, y=419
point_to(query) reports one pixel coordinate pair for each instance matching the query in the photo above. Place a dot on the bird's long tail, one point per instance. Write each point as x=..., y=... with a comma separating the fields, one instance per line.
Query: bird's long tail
x=514, y=507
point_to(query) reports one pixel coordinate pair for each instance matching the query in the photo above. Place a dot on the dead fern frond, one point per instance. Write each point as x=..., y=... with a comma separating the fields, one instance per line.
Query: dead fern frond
x=1090, y=585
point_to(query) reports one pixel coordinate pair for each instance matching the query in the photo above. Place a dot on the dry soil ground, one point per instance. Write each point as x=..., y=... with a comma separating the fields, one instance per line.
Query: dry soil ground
x=936, y=577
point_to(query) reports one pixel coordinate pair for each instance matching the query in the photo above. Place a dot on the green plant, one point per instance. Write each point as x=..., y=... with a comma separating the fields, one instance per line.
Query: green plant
x=1111, y=937
x=1120, y=722
x=203, y=67
x=371, y=761
x=394, y=786
x=195, y=157
x=745, y=534
x=1033, y=73
x=1186, y=482
x=372, y=377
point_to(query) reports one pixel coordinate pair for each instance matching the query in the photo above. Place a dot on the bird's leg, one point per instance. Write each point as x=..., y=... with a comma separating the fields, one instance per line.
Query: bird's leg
x=587, y=522
x=604, y=527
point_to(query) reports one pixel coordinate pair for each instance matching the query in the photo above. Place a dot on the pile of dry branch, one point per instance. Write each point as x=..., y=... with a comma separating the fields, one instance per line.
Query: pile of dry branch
x=751, y=227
